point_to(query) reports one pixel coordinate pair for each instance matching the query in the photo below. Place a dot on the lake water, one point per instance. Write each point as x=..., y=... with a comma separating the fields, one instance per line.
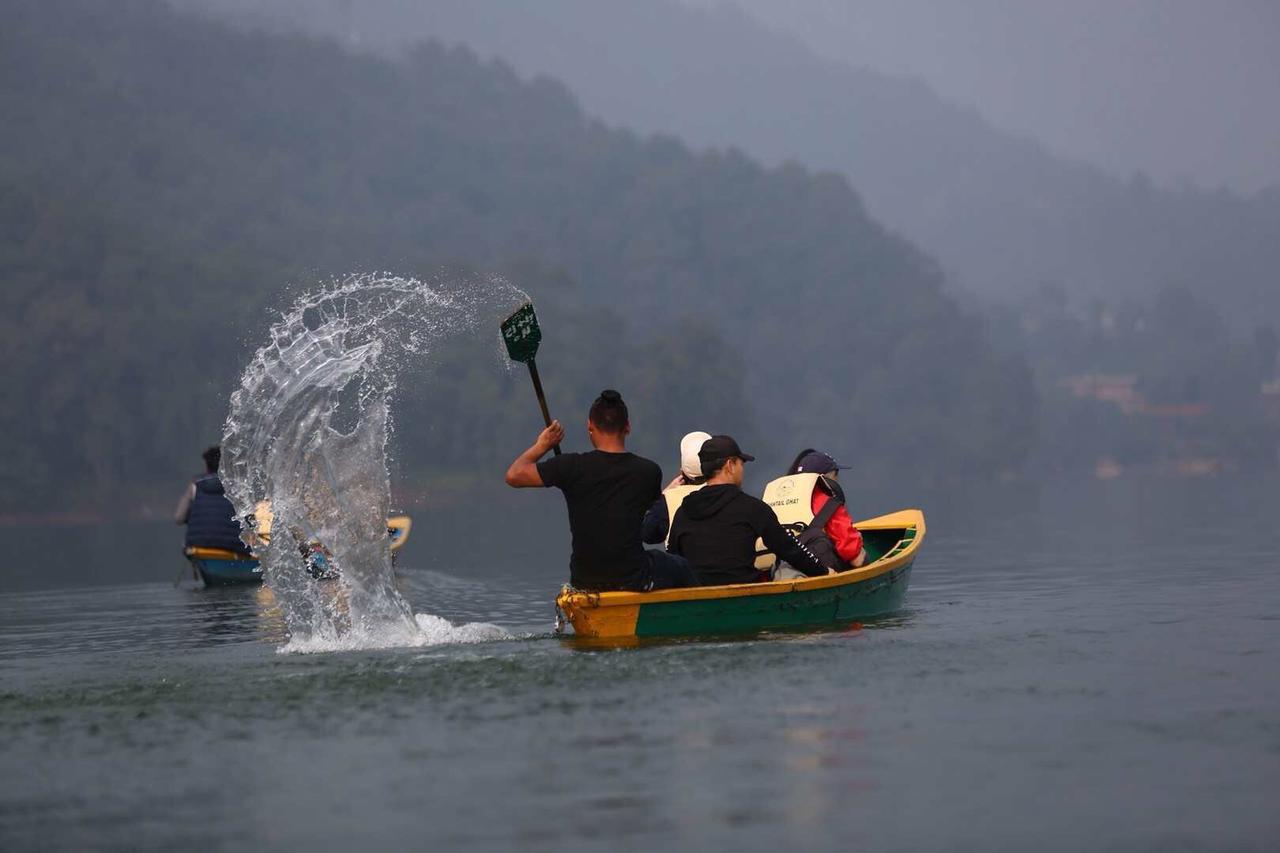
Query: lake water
x=1079, y=666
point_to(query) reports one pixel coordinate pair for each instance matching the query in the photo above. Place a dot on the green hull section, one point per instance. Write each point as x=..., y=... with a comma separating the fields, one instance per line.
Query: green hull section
x=810, y=608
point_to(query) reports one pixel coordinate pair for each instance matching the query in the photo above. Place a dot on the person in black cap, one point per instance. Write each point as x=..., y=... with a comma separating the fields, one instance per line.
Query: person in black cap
x=716, y=528
x=607, y=492
x=843, y=538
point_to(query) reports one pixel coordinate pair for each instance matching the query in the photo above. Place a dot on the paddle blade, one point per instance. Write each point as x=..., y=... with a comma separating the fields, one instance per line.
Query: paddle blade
x=521, y=334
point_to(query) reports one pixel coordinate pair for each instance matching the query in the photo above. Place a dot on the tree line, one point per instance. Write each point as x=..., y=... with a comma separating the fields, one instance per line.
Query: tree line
x=167, y=183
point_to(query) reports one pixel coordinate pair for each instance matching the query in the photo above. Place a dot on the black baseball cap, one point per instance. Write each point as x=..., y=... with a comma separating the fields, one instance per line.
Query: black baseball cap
x=717, y=449
x=817, y=462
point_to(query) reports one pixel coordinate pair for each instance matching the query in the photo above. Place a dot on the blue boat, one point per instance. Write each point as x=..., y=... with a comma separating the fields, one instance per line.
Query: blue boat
x=219, y=567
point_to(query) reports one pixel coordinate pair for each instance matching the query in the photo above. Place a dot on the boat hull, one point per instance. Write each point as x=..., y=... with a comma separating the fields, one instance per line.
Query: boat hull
x=797, y=609
x=877, y=589
x=217, y=567
x=224, y=571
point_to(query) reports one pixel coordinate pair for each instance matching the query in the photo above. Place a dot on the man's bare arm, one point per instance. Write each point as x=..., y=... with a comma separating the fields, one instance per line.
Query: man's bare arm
x=523, y=473
x=184, y=505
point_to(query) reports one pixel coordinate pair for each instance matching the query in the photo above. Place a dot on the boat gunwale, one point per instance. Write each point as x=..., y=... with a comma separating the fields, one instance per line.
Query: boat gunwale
x=402, y=523
x=571, y=598
x=195, y=552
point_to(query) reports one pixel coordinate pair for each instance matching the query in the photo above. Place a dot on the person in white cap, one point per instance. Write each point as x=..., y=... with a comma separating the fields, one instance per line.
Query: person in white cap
x=716, y=527
x=657, y=521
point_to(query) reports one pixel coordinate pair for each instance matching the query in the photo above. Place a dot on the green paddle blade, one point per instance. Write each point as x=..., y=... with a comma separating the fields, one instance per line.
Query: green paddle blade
x=521, y=334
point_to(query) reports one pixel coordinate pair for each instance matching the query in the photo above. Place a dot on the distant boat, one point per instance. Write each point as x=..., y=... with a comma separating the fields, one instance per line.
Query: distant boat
x=877, y=588
x=219, y=567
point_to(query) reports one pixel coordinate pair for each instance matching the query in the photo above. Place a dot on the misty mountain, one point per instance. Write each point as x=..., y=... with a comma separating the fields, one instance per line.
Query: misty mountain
x=1003, y=215
x=164, y=180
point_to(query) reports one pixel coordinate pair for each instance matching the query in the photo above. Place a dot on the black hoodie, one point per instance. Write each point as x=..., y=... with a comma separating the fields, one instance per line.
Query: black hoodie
x=716, y=529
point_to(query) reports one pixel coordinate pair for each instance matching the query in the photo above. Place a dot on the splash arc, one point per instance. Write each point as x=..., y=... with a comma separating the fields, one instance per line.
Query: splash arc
x=308, y=430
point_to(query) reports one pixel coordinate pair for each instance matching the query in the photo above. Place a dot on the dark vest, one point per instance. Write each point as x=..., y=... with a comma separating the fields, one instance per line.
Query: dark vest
x=211, y=523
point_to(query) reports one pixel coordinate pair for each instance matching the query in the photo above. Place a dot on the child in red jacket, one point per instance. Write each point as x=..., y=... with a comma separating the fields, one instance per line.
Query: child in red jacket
x=844, y=537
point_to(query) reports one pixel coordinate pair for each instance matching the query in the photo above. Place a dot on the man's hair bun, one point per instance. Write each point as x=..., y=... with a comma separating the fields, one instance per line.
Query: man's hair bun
x=609, y=413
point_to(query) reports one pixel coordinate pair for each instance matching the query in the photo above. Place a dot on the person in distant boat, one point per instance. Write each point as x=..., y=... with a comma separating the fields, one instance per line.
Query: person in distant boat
x=607, y=492
x=204, y=509
x=716, y=527
x=830, y=534
x=657, y=521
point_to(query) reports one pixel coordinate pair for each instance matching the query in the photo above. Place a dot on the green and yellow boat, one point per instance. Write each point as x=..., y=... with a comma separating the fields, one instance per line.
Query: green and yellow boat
x=876, y=589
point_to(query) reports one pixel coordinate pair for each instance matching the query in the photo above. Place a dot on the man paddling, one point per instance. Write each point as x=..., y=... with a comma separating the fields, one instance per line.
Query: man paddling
x=716, y=527
x=607, y=492
x=205, y=510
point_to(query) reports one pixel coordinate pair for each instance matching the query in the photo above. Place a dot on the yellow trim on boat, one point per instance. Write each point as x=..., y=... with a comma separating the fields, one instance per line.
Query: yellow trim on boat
x=215, y=554
x=264, y=517
x=615, y=620
x=404, y=524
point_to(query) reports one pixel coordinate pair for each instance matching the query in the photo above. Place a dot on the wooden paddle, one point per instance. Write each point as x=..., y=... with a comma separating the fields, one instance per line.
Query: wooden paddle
x=521, y=334
x=195, y=574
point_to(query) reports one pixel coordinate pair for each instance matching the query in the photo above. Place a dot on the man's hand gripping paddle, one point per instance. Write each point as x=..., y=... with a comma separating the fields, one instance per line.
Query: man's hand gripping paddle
x=521, y=334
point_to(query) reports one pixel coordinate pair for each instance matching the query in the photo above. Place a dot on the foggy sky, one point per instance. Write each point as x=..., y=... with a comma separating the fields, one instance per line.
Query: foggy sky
x=1181, y=89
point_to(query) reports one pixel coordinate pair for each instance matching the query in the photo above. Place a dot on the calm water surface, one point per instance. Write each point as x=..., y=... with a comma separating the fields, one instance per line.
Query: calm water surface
x=1079, y=666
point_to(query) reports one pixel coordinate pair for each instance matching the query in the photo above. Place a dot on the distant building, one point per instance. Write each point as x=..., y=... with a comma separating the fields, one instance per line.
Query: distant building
x=1119, y=389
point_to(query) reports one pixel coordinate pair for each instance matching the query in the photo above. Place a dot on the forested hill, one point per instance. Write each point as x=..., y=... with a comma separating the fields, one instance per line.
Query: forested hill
x=164, y=178
x=1002, y=213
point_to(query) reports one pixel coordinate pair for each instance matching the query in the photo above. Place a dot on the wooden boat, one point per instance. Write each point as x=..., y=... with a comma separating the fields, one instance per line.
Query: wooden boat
x=218, y=567
x=877, y=588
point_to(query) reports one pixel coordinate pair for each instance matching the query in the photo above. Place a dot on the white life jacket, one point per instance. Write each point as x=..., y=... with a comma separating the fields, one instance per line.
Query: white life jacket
x=674, y=497
x=791, y=499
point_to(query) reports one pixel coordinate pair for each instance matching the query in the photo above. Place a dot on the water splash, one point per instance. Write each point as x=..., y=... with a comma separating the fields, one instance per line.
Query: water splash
x=429, y=630
x=308, y=432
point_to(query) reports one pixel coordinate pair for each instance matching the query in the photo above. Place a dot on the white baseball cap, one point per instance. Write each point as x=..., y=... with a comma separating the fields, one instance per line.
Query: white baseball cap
x=690, y=464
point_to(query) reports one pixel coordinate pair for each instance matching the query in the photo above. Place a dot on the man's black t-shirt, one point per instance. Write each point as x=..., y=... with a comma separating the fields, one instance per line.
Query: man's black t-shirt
x=607, y=495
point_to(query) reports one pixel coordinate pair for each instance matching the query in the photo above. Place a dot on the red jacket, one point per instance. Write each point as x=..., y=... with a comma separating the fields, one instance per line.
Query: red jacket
x=844, y=535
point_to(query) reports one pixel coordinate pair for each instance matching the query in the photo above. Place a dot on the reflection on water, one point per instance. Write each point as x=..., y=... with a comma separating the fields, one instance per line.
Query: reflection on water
x=897, y=620
x=222, y=614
